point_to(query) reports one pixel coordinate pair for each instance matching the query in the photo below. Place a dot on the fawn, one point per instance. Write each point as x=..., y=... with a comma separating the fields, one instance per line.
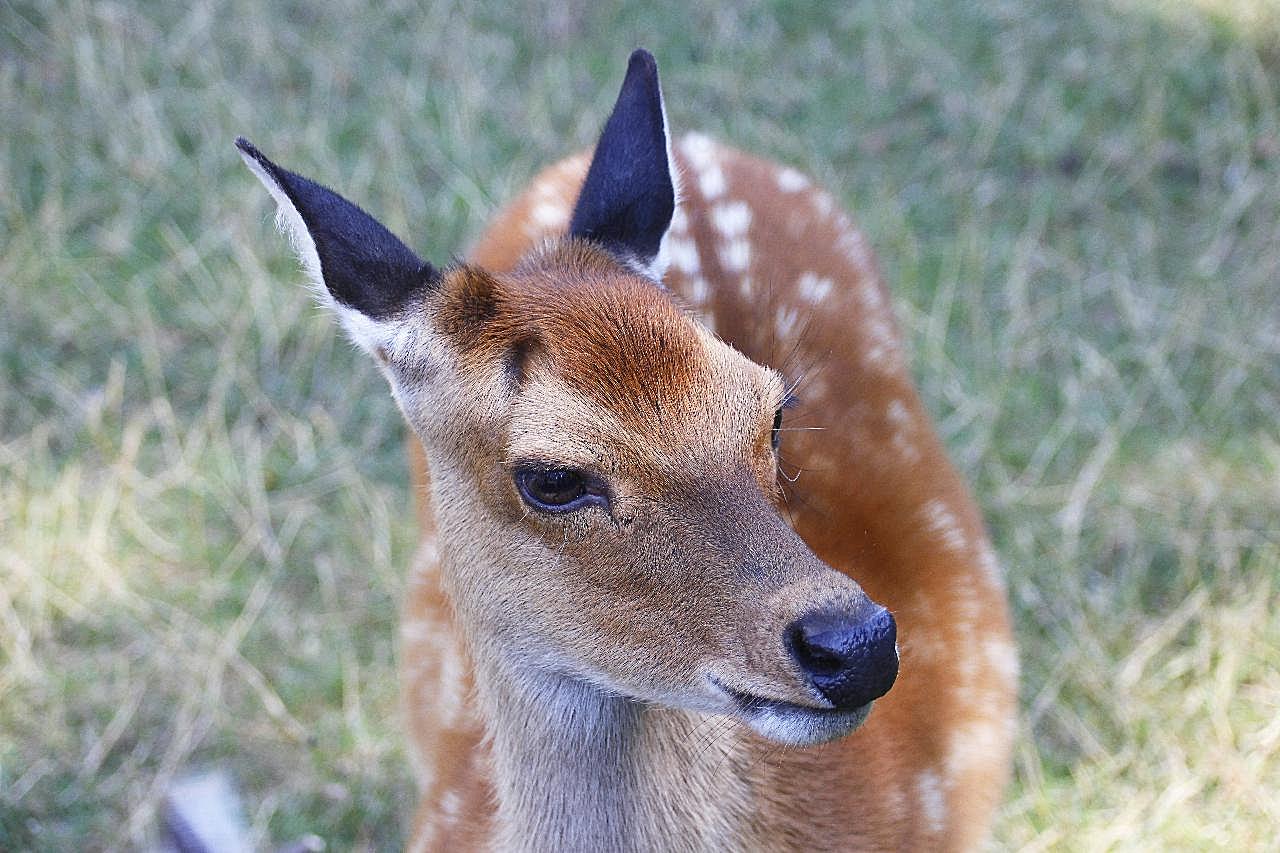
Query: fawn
x=633, y=621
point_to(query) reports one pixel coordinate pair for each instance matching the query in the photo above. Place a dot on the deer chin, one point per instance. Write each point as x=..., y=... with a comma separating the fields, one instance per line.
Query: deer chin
x=792, y=724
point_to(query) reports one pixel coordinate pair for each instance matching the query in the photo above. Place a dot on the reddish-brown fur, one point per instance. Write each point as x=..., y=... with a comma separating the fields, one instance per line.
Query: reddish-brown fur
x=874, y=497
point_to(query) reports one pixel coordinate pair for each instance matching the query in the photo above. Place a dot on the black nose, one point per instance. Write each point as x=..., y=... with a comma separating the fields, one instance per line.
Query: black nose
x=850, y=657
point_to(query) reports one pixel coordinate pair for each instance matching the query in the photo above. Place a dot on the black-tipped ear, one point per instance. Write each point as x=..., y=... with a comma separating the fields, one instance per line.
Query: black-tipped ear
x=629, y=195
x=362, y=264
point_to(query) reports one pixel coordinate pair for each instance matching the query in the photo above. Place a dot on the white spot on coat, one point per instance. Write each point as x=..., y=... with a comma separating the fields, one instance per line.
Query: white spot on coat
x=698, y=291
x=550, y=214
x=898, y=414
x=927, y=646
x=1003, y=658
x=683, y=255
x=679, y=221
x=548, y=190
x=573, y=167
x=731, y=218
x=899, y=418
x=979, y=742
x=881, y=348
x=786, y=321
x=711, y=182
x=699, y=148
x=942, y=523
x=704, y=157
x=813, y=287
x=448, y=693
x=450, y=804
x=933, y=803
x=791, y=181
x=735, y=256
x=990, y=565
x=871, y=299
x=854, y=248
x=823, y=202
x=418, y=630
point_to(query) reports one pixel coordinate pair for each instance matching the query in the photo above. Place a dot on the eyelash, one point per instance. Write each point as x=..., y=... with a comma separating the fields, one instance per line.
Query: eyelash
x=775, y=437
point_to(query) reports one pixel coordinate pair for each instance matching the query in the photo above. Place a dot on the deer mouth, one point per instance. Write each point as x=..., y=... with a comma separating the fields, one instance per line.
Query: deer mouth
x=791, y=723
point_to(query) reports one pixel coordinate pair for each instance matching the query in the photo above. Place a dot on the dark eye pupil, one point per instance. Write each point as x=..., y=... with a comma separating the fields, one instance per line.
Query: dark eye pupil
x=556, y=487
x=776, y=438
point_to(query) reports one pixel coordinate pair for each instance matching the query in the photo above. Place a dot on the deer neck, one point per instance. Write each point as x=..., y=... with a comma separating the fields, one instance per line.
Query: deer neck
x=576, y=768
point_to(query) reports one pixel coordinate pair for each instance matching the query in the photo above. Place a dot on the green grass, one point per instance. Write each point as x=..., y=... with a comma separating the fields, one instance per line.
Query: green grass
x=204, y=511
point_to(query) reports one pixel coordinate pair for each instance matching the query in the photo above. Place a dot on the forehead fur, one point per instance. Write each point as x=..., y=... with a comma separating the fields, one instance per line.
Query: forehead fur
x=609, y=335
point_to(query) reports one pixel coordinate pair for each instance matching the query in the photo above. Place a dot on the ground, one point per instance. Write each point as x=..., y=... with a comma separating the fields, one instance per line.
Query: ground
x=204, y=509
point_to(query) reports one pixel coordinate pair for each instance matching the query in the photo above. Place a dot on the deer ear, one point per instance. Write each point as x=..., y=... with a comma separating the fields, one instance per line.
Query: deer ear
x=629, y=194
x=362, y=270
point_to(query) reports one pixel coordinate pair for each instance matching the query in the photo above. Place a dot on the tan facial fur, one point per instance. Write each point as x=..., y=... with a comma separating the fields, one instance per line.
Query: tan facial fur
x=688, y=573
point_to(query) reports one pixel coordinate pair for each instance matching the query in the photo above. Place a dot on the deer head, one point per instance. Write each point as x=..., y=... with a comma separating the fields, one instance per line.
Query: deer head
x=604, y=467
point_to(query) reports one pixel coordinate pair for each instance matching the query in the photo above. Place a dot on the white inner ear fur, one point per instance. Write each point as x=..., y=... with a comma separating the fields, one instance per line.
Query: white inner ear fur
x=378, y=339
x=657, y=268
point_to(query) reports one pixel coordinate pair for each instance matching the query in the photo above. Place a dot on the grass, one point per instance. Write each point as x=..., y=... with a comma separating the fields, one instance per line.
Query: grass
x=204, y=511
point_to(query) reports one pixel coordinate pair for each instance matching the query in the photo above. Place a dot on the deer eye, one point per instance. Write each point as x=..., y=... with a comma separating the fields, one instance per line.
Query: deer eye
x=556, y=489
x=776, y=437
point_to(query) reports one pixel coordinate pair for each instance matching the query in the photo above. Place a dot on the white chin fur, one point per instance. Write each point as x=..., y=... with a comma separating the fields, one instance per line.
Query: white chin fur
x=797, y=726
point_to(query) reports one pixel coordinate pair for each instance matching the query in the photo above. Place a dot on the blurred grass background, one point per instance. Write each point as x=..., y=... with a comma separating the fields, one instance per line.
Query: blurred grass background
x=204, y=512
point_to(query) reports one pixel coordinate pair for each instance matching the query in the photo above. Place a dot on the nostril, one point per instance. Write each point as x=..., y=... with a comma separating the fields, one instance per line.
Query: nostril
x=850, y=658
x=819, y=652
